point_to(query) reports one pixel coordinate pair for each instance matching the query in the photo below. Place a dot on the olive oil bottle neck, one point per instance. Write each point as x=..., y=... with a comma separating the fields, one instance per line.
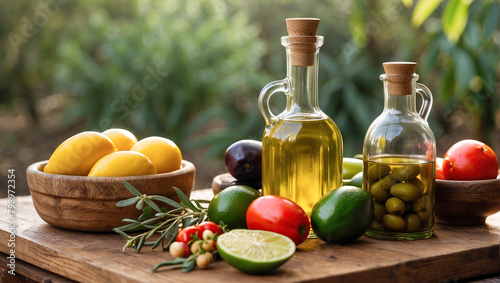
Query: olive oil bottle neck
x=302, y=97
x=400, y=104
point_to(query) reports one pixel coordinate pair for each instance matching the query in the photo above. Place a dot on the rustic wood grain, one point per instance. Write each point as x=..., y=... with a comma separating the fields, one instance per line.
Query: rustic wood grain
x=28, y=273
x=454, y=252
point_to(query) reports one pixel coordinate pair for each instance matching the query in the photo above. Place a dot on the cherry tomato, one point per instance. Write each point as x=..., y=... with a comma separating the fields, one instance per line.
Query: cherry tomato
x=179, y=249
x=212, y=226
x=439, y=168
x=184, y=235
x=470, y=160
x=280, y=215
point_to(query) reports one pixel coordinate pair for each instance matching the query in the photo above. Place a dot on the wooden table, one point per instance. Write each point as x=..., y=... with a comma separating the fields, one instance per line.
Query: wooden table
x=44, y=252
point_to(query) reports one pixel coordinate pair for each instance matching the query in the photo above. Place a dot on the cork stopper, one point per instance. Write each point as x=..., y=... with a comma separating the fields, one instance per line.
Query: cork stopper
x=399, y=77
x=302, y=39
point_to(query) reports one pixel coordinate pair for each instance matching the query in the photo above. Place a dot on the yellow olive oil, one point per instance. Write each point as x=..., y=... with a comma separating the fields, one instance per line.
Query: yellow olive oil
x=403, y=191
x=302, y=160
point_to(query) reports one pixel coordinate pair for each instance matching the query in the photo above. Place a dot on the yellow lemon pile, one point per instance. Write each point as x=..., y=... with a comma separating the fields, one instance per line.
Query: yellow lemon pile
x=114, y=153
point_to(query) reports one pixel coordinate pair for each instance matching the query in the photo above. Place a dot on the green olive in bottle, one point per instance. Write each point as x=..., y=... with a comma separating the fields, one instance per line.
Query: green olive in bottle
x=379, y=194
x=377, y=171
x=405, y=191
x=406, y=172
x=376, y=225
x=413, y=222
x=380, y=211
x=394, y=222
x=395, y=206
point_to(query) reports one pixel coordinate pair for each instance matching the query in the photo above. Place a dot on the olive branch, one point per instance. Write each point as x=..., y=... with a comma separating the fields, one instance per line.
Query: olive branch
x=156, y=220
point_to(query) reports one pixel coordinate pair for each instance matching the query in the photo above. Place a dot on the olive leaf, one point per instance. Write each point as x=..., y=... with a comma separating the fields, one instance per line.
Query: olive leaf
x=178, y=261
x=166, y=200
x=127, y=202
x=131, y=189
x=152, y=204
x=159, y=220
x=185, y=200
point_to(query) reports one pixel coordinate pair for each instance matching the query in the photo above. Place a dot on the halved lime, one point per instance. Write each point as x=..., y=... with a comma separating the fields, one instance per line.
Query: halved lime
x=255, y=251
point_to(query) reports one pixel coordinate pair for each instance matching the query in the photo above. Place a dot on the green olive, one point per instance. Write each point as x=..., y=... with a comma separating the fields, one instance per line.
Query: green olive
x=413, y=222
x=377, y=171
x=384, y=184
x=378, y=193
x=395, y=206
x=419, y=184
x=394, y=222
x=406, y=172
x=405, y=191
x=376, y=225
x=379, y=211
x=423, y=207
x=387, y=182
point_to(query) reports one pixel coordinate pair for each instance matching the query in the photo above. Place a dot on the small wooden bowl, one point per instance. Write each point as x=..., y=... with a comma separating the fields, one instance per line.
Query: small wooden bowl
x=466, y=202
x=89, y=203
x=222, y=181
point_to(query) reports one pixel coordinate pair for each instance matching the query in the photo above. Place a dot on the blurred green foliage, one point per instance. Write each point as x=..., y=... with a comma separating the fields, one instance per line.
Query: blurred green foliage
x=192, y=70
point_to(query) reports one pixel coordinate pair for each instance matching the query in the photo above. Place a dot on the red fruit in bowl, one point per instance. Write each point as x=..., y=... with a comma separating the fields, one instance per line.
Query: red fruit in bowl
x=439, y=168
x=470, y=160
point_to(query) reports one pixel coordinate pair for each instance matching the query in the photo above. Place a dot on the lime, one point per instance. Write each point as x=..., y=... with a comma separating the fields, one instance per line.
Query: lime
x=230, y=206
x=255, y=251
x=342, y=215
x=356, y=180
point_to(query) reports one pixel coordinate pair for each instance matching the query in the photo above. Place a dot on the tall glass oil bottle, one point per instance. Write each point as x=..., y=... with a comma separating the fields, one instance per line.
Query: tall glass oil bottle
x=302, y=146
x=399, y=155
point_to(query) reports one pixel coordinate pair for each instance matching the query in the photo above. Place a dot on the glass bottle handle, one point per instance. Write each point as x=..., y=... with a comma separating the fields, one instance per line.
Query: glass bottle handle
x=266, y=93
x=426, y=94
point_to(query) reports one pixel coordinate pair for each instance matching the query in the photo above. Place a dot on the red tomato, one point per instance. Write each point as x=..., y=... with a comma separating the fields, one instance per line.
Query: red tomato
x=439, y=168
x=280, y=215
x=212, y=226
x=470, y=160
x=184, y=235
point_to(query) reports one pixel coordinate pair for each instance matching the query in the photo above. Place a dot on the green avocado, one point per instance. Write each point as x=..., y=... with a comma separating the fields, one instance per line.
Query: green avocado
x=342, y=215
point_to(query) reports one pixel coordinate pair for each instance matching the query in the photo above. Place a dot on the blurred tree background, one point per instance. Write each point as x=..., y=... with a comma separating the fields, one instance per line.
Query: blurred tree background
x=192, y=70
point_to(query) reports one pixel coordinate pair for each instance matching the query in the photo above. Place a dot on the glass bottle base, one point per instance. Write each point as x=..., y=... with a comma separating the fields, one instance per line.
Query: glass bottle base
x=399, y=236
x=312, y=235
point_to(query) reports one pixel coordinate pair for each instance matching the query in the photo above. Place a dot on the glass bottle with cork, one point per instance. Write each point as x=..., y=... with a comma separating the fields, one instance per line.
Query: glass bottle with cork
x=399, y=155
x=302, y=146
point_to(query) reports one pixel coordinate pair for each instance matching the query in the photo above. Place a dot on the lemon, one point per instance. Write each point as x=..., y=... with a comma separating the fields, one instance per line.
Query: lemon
x=121, y=138
x=231, y=204
x=122, y=163
x=77, y=154
x=164, y=153
x=255, y=251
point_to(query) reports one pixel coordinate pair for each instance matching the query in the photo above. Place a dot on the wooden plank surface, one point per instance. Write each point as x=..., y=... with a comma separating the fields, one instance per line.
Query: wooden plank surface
x=452, y=253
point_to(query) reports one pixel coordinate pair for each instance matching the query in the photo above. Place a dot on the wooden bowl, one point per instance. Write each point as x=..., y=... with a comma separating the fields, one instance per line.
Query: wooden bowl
x=89, y=203
x=222, y=181
x=466, y=202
